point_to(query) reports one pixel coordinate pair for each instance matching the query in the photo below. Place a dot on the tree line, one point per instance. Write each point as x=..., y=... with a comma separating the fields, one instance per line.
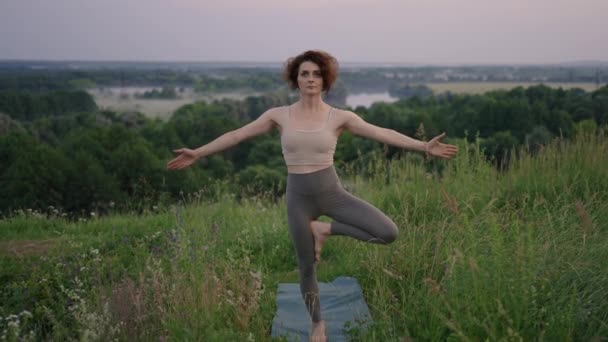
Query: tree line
x=58, y=151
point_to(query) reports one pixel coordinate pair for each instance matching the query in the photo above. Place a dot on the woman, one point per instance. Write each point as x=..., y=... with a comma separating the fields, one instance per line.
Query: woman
x=309, y=131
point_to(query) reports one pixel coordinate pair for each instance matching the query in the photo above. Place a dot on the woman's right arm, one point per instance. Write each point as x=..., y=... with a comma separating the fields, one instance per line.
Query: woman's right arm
x=186, y=157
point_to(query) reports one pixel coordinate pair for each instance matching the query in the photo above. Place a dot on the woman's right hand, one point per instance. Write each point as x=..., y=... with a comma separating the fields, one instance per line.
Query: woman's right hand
x=185, y=157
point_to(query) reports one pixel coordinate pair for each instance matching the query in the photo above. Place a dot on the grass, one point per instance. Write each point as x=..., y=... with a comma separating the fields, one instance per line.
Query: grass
x=482, y=255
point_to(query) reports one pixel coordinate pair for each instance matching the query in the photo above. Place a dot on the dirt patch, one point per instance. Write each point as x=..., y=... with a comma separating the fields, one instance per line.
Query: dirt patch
x=21, y=248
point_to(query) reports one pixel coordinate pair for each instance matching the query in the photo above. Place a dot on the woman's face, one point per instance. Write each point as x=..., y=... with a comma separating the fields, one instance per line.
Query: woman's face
x=310, y=80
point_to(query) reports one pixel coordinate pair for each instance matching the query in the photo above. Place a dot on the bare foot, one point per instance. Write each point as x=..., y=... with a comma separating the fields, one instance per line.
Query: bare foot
x=318, y=332
x=320, y=231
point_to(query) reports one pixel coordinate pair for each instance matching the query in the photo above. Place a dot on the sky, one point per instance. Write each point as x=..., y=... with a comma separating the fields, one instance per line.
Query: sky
x=368, y=31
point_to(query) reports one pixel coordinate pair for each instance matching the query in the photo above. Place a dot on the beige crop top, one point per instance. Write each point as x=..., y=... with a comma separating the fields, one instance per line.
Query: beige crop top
x=308, y=147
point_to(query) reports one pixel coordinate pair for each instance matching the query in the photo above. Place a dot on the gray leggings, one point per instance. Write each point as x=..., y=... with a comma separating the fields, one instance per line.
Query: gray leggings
x=319, y=193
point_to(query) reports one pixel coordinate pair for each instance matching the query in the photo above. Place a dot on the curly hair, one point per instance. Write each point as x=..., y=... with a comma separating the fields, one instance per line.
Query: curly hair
x=327, y=63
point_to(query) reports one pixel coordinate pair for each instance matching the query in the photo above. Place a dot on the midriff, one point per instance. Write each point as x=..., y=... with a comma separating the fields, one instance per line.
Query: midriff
x=301, y=169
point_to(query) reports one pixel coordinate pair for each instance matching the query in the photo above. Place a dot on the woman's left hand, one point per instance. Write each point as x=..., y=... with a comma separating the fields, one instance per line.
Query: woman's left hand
x=436, y=149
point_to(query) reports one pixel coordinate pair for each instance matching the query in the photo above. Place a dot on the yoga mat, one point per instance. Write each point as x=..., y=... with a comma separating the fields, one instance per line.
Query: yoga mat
x=342, y=308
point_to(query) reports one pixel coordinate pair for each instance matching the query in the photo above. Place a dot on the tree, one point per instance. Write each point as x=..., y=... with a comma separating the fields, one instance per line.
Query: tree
x=36, y=179
x=499, y=147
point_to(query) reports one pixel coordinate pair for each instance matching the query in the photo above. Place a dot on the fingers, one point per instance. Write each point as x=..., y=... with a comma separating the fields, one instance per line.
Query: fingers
x=444, y=151
x=177, y=163
x=448, y=151
x=180, y=161
x=450, y=148
x=177, y=166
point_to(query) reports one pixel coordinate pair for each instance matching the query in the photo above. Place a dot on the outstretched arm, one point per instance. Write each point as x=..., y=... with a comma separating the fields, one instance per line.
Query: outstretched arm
x=186, y=157
x=358, y=126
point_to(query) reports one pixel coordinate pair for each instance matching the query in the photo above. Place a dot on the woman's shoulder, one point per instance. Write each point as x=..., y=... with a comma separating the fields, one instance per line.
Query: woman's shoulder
x=343, y=114
x=276, y=114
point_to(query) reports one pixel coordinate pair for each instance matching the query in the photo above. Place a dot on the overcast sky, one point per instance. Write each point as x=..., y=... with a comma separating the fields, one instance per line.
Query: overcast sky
x=402, y=31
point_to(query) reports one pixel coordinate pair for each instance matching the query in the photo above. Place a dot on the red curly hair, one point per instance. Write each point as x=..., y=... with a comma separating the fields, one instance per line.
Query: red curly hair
x=327, y=63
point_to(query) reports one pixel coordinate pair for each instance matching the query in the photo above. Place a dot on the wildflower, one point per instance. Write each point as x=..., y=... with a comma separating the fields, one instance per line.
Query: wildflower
x=391, y=274
x=256, y=275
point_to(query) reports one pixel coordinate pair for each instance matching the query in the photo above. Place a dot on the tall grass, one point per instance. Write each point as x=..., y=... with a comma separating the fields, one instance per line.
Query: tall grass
x=482, y=255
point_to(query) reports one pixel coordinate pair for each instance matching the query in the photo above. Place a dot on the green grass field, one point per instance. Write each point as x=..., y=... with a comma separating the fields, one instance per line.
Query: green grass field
x=482, y=255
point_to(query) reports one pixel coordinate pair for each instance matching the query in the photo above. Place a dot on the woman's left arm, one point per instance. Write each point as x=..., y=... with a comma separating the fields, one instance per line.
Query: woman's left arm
x=356, y=125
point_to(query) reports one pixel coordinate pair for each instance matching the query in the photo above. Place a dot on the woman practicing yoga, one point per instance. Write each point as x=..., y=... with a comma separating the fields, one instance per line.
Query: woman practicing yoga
x=309, y=131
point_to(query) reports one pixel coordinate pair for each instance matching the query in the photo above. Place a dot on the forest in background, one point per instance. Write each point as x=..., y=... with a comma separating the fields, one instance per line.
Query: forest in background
x=60, y=152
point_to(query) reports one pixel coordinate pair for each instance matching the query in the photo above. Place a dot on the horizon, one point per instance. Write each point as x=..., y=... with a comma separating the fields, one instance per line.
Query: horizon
x=388, y=64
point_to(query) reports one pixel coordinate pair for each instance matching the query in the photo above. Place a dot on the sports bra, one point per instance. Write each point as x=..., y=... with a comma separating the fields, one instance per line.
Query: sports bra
x=308, y=147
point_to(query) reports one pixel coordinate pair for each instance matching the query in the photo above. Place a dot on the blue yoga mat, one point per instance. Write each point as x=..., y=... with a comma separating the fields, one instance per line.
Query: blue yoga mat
x=342, y=308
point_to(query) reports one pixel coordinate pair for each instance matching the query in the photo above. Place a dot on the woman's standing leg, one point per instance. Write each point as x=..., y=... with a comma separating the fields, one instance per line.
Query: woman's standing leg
x=301, y=210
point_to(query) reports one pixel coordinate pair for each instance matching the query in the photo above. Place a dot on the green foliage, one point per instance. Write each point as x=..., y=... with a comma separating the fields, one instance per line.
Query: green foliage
x=24, y=106
x=36, y=177
x=128, y=152
x=481, y=255
x=537, y=138
x=500, y=147
x=258, y=179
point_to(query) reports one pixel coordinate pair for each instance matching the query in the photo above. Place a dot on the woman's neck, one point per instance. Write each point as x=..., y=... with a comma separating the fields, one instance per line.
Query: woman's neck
x=311, y=104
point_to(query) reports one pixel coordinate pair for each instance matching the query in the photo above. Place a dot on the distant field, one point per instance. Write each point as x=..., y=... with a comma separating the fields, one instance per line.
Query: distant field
x=482, y=87
x=110, y=98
